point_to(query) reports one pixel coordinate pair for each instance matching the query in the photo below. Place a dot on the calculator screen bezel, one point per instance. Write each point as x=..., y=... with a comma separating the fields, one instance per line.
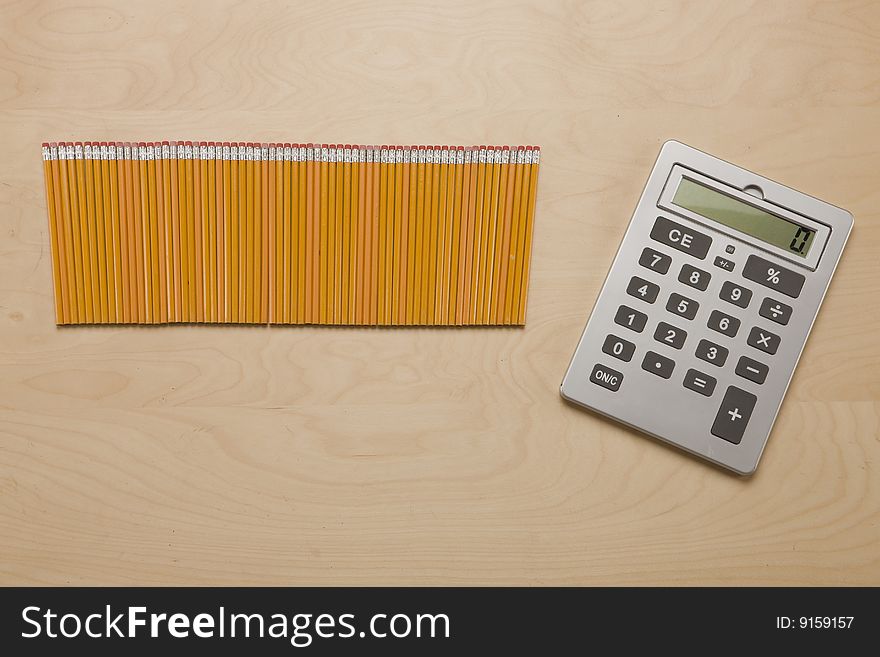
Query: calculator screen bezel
x=820, y=240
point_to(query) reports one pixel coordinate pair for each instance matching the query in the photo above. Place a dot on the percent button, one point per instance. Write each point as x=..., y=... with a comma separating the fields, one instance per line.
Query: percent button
x=773, y=276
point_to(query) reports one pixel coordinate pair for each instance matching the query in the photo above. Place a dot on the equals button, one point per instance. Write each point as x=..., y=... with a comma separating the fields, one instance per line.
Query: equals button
x=699, y=382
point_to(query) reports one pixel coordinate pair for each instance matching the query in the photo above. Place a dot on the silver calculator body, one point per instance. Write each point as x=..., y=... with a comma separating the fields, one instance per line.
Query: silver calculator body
x=707, y=306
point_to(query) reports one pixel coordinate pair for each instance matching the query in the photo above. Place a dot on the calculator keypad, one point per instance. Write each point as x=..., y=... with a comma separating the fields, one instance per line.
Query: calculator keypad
x=642, y=289
x=723, y=323
x=738, y=404
x=696, y=278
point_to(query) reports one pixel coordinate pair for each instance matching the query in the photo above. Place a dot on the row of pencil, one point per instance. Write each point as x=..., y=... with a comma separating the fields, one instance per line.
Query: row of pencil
x=166, y=232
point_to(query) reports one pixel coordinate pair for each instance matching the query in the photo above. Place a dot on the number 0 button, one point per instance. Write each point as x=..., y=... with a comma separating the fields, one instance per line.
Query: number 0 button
x=642, y=289
x=694, y=277
x=619, y=348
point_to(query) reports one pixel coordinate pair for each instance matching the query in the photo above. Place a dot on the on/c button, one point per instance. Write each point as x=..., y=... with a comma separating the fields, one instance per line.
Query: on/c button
x=606, y=377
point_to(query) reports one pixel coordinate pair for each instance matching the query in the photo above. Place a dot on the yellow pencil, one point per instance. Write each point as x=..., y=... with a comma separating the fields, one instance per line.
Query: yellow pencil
x=336, y=315
x=477, y=230
x=330, y=239
x=100, y=232
x=358, y=182
x=397, y=235
x=219, y=252
x=516, y=163
x=303, y=288
x=278, y=238
x=345, y=255
x=433, y=240
x=238, y=184
x=49, y=176
x=157, y=261
x=529, y=228
x=265, y=232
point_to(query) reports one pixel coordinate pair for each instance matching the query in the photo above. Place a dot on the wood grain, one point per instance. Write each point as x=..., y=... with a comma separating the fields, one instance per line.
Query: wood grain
x=214, y=455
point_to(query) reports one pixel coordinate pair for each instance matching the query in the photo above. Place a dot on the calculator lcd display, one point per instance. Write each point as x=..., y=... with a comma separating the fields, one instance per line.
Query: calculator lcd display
x=724, y=209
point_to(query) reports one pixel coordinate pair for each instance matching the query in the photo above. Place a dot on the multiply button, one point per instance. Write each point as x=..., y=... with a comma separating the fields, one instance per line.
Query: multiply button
x=733, y=415
x=764, y=340
x=606, y=377
x=775, y=311
x=680, y=237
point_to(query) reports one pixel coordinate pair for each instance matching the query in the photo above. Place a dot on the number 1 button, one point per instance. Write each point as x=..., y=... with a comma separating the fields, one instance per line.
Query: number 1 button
x=631, y=318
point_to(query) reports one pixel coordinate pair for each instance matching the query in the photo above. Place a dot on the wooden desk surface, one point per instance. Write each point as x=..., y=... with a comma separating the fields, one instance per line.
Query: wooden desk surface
x=212, y=455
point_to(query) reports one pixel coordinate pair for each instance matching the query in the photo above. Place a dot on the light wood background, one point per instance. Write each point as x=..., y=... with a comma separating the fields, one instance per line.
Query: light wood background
x=211, y=455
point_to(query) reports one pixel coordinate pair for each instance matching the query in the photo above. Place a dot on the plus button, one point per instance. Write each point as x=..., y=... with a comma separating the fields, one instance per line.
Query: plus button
x=734, y=414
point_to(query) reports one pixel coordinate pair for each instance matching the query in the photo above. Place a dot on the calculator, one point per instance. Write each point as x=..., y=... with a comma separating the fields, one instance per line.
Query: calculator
x=706, y=309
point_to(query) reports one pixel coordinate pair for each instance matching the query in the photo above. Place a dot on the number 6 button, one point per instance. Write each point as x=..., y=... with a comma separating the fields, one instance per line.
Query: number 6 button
x=722, y=323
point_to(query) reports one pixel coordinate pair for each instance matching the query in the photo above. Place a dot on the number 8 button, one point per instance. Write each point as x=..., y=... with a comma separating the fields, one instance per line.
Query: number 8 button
x=694, y=277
